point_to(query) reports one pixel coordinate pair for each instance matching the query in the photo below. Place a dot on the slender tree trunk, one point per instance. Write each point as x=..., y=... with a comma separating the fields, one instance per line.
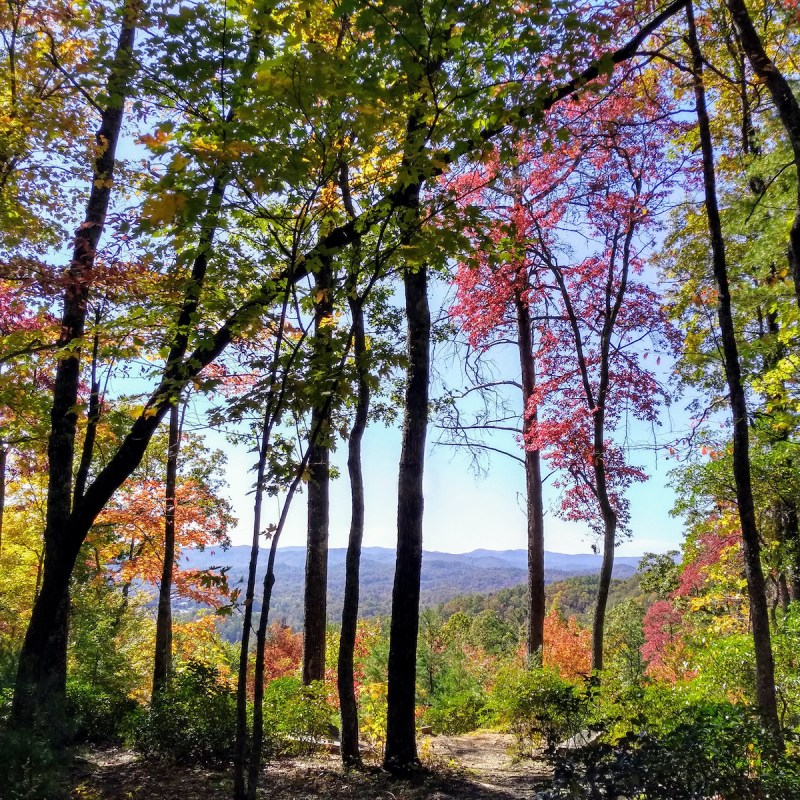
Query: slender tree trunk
x=783, y=593
x=162, y=665
x=257, y=738
x=401, y=747
x=759, y=611
x=240, y=758
x=254, y=767
x=533, y=488
x=3, y=467
x=351, y=756
x=92, y=421
x=272, y=413
x=41, y=675
x=791, y=533
x=787, y=106
x=316, y=583
x=609, y=542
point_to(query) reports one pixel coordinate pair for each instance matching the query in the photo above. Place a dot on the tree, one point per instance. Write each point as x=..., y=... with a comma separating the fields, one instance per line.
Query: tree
x=741, y=461
x=42, y=663
x=219, y=134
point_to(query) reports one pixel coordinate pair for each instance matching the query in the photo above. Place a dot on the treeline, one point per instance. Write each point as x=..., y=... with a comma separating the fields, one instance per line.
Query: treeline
x=231, y=215
x=573, y=597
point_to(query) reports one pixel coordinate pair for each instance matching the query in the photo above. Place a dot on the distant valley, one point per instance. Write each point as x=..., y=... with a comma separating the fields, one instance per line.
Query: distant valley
x=444, y=575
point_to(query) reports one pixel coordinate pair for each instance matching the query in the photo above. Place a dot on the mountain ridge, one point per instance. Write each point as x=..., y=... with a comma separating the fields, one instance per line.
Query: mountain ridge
x=444, y=575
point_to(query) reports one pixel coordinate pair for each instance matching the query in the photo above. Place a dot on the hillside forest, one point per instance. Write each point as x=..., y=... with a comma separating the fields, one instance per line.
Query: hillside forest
x=520, y=228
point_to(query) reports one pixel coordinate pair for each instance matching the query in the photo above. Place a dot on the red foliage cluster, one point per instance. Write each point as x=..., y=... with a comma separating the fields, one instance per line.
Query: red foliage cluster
x=565, y=231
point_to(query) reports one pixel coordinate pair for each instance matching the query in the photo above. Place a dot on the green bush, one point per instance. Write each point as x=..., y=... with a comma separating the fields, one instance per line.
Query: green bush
x=96, y=715
x=296, y=717
x=192, y=721
x=539, y=707
x=457, y=712
x=31, y=768
x=700, y=750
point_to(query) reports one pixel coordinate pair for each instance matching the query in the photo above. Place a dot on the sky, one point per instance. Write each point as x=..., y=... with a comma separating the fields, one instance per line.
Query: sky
x=465, y=511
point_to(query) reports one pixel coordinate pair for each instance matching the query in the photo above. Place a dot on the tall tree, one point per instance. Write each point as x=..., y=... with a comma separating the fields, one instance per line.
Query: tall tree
x=351, y=756
x=315, y=604
x=401, y=747
x=765, y=667
x=206, y=322
x=162, y=664
x=43, y=660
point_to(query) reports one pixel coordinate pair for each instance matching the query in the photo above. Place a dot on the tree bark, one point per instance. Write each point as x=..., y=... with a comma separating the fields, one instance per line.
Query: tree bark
x=609, y=542
x=3, y=468
x=351, y=756
x=41, y=675
x=316, y=583
x=162, y=664
x=533, y=488
x=759, y=610
x=787, y=106
x=401, y=747
x=240, y=758
x=257, y=738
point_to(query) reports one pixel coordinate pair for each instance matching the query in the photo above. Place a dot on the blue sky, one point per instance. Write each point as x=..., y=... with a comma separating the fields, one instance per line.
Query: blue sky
x=462, y=512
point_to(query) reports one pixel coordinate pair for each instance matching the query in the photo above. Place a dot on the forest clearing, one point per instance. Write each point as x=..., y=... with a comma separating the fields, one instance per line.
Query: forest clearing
x=262, y=260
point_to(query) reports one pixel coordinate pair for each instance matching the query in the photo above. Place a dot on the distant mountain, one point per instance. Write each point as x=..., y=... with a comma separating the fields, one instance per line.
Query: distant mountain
x=444, y=575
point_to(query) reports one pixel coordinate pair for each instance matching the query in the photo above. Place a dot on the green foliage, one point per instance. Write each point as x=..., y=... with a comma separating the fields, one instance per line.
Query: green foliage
x=701, y=749
x=96, y=714
x=660, y=573
x=31, y=767
x=624, y=637
x=109, y=662
x=458, y=711
x=296, y=717
x=192, y=721
x=539, y=706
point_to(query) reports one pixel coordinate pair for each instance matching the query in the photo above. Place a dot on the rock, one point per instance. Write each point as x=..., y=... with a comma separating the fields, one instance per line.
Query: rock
x=579, y=741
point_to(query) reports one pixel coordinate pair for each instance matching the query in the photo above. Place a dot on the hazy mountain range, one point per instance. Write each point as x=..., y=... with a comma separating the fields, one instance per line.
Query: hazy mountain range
x=444, y=575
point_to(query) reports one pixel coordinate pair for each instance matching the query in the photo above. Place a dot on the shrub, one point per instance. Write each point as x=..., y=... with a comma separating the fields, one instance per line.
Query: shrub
x=707, y=749
x=31, y=768
x=192, y=720
x=372, y=707
x=539, y=707
x=97, y=715
x=457, y=712
x=296, y=717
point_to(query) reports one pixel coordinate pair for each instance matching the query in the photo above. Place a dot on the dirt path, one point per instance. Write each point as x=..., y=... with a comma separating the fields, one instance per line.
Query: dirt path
x=485, y=758
x=470, y=767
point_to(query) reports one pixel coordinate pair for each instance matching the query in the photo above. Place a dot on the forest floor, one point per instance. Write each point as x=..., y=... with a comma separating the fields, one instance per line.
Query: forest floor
x=470, y=767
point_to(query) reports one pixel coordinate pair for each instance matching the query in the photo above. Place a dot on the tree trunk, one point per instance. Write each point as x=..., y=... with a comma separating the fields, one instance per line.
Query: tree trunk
x=787, y=106
x=257, y=741
x=41, y=675
x=271, y=414
x=3, y=467
x=162, y=665
x=351, y=757
x=609, y=543
x=257, y=738
x=401, y=747
x=759, y=610
x=533, y=488
x=316, y=583
x=240, y=758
